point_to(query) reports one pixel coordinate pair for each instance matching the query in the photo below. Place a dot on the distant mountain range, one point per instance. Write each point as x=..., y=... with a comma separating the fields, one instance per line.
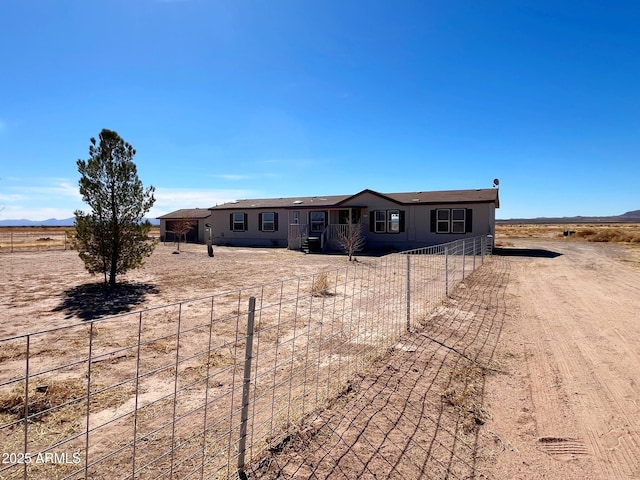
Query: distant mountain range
x=628, y=217
x=52, y=222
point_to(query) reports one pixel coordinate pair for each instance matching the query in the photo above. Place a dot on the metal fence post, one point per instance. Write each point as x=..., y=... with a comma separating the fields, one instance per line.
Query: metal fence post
x=408, y=292
x=474, y=254
x=11, y=241
x=482, y=246
x=446, y=271
x=464, y=262
x=244, y=416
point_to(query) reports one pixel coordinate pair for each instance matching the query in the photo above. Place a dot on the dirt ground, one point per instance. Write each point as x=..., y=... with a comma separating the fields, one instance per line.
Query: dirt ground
x=552, y=329
x=529, y=371
x=40, y=290
x=569, y=406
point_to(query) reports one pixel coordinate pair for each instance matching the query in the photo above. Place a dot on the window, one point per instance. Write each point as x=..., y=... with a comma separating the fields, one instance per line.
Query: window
x=386, y=221
x=457, y=220
x=344, y=215
x=380, y=221
x=443, y=220
x=238, y=222
x=317, y=221
x=268, y=222
x=394, y=221
x=452, y=220
x=295, y=218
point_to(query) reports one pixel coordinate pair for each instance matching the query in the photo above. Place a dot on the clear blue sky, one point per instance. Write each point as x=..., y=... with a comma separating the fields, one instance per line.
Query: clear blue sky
x=240, y=99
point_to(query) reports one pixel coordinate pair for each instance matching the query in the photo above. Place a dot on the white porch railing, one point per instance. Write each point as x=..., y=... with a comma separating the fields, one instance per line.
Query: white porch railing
x=297, y=233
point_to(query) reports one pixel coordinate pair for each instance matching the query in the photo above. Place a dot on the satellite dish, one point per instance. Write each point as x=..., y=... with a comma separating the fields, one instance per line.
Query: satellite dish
x=496, y=182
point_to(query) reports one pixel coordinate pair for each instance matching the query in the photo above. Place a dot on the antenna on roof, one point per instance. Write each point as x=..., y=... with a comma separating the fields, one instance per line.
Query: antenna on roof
x=496, y=182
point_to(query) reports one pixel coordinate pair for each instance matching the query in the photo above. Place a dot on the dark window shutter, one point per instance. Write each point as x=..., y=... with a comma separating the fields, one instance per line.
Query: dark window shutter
x=246, y=223
x=433, y=220
x=401, y=220
x=326, y=218
x=275, y=221
x=260, y=221
x=372, y=219
x=231, y=222
x=468, y=221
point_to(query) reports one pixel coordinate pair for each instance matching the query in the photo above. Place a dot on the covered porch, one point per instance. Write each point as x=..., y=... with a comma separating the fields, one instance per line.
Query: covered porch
x=319, y=230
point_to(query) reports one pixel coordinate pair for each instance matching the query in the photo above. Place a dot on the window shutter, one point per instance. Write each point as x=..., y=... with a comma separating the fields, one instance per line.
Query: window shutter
x=433, y=220
x=231, y=222
x=372, y=219
x=260, y=222
x=401, y=220
x=246, y=224
x=275, y=221
x=468, y=221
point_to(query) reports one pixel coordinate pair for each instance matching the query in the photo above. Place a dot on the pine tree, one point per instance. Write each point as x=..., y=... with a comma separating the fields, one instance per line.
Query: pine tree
x=112, y=238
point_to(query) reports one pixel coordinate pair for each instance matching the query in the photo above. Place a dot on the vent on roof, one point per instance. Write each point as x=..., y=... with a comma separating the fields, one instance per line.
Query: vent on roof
x=297, y=202
x=415, y=199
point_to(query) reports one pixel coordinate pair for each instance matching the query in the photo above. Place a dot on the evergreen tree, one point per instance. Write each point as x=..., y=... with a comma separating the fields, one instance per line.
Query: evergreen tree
x=112, y=238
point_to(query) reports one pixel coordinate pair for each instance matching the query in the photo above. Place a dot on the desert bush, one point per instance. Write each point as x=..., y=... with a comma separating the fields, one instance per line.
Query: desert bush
x=321, y=286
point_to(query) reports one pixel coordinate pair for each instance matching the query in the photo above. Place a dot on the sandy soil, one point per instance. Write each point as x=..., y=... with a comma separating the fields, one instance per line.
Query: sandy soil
x=569, y=406
x=552, y=328
x=40, y=290
x=530, y=371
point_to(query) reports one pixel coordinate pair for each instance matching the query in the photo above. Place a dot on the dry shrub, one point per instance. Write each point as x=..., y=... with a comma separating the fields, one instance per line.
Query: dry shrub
x=605, y=232
x=42, y=397
x=464, y=395
x=49, y=396
x=608, y=234
x=321, y=286
x=163, y=345
x=219, y=359
x=12, y=351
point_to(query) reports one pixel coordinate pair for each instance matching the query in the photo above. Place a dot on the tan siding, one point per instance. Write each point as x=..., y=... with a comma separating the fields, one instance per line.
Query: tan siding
x=223, y=235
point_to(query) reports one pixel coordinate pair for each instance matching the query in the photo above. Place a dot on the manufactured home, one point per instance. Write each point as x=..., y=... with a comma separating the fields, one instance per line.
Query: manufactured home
x=387, y=221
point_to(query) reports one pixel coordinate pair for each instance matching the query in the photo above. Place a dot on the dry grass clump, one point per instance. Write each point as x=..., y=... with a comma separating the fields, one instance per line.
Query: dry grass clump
x=464, y=395
x=64, y=400
x=162, y=345
x=42, y=397
x=321, y=286
x=12, y=351
x=616, y=235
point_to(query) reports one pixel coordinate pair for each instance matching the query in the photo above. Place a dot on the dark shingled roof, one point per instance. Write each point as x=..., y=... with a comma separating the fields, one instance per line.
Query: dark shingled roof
x=483, y=195
x=197, y=213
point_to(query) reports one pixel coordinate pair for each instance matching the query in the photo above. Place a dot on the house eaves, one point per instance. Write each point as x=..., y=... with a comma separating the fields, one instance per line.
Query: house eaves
x=195, y=213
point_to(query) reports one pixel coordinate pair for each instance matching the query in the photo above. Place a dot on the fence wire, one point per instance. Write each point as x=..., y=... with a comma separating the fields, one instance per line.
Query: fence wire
x=11, y=242
x=175, y=392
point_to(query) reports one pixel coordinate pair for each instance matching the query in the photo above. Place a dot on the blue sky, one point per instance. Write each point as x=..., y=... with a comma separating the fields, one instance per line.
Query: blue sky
x=238, y=99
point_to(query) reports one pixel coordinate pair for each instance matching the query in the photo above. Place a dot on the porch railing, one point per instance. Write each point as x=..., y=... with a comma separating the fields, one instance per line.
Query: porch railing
x=297, y=233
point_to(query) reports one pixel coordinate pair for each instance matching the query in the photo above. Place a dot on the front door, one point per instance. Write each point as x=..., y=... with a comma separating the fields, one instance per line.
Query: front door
x=317, y=221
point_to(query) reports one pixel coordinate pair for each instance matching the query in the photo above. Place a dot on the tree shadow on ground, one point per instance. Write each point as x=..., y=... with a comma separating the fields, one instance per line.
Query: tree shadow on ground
x=91, y=301
x=525, y=252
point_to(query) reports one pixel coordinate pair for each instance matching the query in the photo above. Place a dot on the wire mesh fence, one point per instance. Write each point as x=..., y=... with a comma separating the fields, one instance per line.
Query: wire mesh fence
x=200, y=388
x=11, y=242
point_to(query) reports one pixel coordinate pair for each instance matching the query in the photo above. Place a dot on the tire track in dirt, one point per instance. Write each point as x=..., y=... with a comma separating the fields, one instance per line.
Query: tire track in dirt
x=579, y=309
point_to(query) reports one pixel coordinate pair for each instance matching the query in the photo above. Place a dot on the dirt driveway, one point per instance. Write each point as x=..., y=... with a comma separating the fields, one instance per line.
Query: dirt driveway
x=569, y=406
x=555, y=328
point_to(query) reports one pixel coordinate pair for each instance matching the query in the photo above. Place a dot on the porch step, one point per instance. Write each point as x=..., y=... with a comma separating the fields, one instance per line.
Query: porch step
x=311, y=245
